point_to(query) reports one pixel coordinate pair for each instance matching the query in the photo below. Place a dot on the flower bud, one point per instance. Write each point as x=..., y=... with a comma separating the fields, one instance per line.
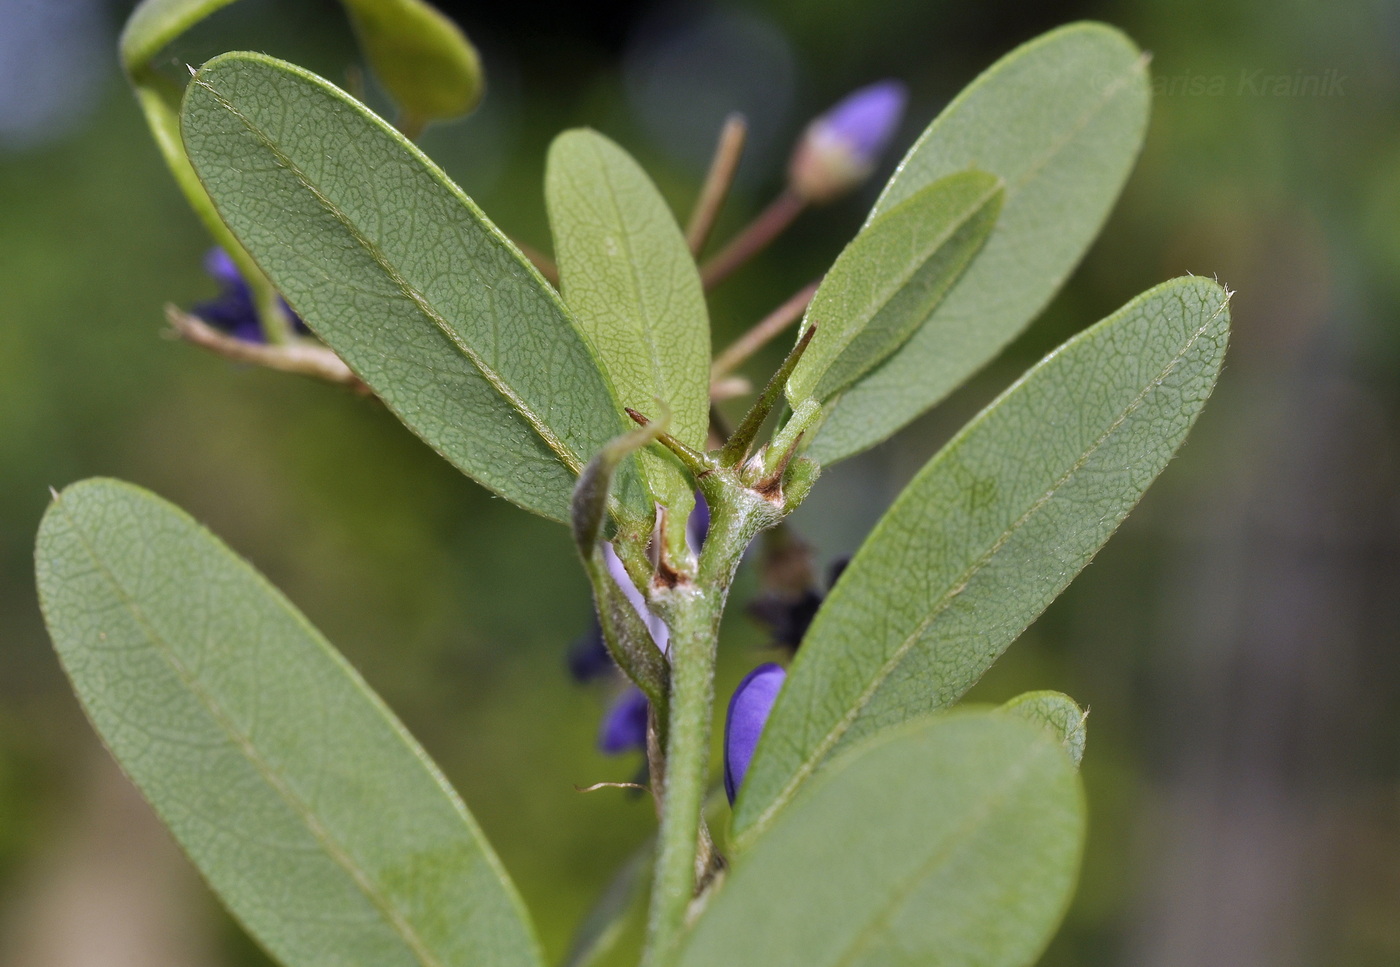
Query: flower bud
x=840, y=149
x=625, y=724
x=588, y=656
x=748, y=711
x=232, y=310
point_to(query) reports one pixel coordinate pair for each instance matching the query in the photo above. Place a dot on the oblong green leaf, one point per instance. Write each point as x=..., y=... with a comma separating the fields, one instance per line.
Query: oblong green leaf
x=953, y=842
x=890, y=278
x=991, y=530
x=421, y=57
x=632, y=285
x=405, y=278
x=1059, y=714
x=1060, y=120
x=309, y=809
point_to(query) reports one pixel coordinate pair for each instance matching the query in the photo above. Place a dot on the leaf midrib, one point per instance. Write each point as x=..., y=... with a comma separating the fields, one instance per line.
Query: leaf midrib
x=881, y=300
x=887, y=294
x=1012, y=186
x=567, y=456
x=332, y=846
x=639, y=292
x=646, y=313
x=829, y=741
x=899, y=894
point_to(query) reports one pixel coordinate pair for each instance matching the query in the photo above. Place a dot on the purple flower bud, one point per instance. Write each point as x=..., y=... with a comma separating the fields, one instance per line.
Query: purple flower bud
x=232, y=310
x=840, y=148
x=625, y=724
x=588, y=656
x=748, y=711
x=219, y=264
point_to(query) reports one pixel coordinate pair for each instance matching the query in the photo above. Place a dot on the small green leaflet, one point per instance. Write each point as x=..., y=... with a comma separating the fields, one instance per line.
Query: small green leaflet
x=1059, y=714
x=953, y=841
x=890, y=278
x=405, y=278
x=1060, y=120
x=420, y=56
x=990, y=531
x=155, y=23
x=309, y=809
x=632, y=285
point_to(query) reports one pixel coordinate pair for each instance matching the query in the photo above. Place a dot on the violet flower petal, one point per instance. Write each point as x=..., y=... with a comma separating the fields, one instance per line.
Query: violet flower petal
x=588, y=656
x=624, y=726
x=232, y=310
x=866, y=120
x=748, y=712
x=840, y=148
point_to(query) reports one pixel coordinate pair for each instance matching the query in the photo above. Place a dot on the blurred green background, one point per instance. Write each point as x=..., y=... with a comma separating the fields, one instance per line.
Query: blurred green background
x=1238, y=642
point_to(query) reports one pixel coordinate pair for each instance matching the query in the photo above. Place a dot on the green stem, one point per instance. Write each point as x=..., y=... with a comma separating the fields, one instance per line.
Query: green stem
x=687, y=770
x=692, y=612
x=160, y=102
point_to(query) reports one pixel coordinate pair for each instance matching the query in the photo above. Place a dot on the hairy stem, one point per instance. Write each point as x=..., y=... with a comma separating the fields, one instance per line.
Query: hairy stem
x=685, y=852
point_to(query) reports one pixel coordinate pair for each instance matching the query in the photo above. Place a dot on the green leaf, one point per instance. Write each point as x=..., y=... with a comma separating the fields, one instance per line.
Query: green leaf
x=991, y=530
x=151, y=26
x=307, y=806
x=1059, y=714
x=1060, y=121
x=953, y=842
x=155, y=23
x=629, y=278
x=890, y=278
x=593, y=491
x=422, y=58
x=405, y=278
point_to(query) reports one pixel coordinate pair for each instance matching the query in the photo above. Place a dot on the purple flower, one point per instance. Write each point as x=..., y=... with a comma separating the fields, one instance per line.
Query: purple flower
x=232, y=310
x=841, y=147
x=624, y=726
x=588, y=656
x=748, y=711
x=866, y=119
